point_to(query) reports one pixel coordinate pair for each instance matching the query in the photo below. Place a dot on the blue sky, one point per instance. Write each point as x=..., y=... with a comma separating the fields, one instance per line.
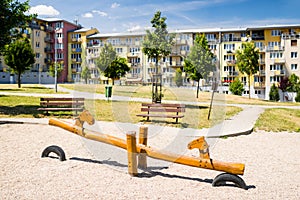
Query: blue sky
x=110, y=16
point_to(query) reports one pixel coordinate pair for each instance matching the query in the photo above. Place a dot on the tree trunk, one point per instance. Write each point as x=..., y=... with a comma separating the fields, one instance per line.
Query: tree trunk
x=198, y=87
x=249, y=86
x=113, y=81
x=19, y=80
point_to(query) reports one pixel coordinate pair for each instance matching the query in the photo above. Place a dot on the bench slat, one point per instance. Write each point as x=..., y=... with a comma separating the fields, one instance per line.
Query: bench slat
x=61, y=103
x=163, y=105
x=164, y=116
x=60, y=99
x=157, y=109
x=60, y=109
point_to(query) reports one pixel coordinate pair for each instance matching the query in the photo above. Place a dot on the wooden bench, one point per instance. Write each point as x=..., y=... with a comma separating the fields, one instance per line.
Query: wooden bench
x=162, y=110
x=61, y=104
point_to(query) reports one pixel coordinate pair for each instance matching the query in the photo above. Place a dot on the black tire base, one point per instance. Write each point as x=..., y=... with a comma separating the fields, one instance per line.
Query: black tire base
x=222, y=179
x=54, y=149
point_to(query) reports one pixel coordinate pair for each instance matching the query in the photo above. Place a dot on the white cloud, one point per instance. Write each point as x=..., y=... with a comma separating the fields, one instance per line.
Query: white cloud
x=134, y=28
x=87, y=15
x=44, y=10
x=103, y=14
x=115, y=5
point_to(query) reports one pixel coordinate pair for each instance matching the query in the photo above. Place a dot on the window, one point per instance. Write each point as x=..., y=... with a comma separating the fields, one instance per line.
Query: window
x=59, y=24
x=37, y=33
x=274, y=79
x=59, y=35
x=272, y=44
x=276, y=67
x=229, y=46
x=276, y=33
x=294, y=55
x=37, y=44
x=293, y=43
x=257, y=92
x=294, y=66
x=275, y=55
x=37, y=55
x=60, y=56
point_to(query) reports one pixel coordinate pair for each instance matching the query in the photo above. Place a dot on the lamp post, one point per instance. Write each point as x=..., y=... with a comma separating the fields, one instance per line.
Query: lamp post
x=55, y=60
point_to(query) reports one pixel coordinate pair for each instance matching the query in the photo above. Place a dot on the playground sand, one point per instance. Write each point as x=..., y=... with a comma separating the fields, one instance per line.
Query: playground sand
x=272, y=169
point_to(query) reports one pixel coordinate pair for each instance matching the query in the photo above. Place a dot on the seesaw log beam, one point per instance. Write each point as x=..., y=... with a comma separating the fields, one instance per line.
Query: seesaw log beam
x=233, y=168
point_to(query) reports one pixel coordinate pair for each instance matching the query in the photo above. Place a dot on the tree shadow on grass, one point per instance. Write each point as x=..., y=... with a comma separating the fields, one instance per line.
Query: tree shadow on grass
x=31, y=111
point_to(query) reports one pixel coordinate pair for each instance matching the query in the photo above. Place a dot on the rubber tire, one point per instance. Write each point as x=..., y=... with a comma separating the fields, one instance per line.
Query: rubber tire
x=54, y=149
x=221, y=180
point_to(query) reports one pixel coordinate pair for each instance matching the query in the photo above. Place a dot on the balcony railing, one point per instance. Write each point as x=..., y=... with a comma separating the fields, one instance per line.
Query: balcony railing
x=48, y=50
x=48, y=39
x=231, y=39
x=289, y=36
x=275, y=48
x=78, y=50
x=231, y=62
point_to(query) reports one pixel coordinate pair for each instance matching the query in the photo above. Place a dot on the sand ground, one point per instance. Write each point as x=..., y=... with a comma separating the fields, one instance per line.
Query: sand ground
x=272, y=169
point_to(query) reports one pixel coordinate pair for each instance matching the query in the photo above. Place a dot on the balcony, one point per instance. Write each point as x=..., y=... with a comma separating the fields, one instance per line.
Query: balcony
x=230, y=51
x=48, y=50
x=230, y=62
x=231, y=73
x=77, y=60
x=77, y=50
x=278, y=61
x=231, y=39
x=290, y=36
x=274, y=48
x=133, y=54
x=259, y=84
x=258, y=37
x=76, y=40
x=48, y=40
x=48, y=60
x=34, y=26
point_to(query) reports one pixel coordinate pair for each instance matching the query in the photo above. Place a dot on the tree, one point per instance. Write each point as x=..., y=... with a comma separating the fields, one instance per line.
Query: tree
x=236, y=87
x=178, y=77
x=200, y=60
x=247, y=60
x=157, y=44
x=274, y=94
x=12, y=16
x=85, y=74
x=117, y=69
x=19, y=56
x=106, y=57
x=59, y=68
x=294, y=83
x=284, y=84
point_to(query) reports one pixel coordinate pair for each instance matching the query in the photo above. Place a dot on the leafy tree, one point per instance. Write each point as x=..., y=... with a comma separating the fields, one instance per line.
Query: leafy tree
x=247, y=60
x=200, y=60
x=274, y=94
x=158, y=44
x=284, y=84
x=297, y=98
x=236, y=87
x=178, y=77
x=294, y=83
x=12, y=16
x=19, y=56
x=85, y=74
x=59, y=68
x=117, y=69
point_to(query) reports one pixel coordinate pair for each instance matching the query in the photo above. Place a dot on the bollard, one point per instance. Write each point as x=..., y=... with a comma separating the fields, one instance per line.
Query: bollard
x=142, y=157
x=132, y=153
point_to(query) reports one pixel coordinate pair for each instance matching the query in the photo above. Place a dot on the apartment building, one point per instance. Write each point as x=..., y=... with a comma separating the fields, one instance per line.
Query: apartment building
x=49, y=42
x=78, y=47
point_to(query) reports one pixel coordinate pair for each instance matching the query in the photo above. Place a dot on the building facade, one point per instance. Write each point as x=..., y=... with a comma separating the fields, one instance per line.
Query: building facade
x=279, y=47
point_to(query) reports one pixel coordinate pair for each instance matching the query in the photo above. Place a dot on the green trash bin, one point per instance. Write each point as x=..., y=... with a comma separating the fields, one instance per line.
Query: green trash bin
x=108, y=91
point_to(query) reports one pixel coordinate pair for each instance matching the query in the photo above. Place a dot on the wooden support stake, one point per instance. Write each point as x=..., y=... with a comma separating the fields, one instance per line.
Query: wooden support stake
x=142, y=157
x=132, y=153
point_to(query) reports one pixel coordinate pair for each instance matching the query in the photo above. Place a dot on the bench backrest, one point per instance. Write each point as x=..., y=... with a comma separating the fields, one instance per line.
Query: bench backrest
x=153, y=107
x=75, y=102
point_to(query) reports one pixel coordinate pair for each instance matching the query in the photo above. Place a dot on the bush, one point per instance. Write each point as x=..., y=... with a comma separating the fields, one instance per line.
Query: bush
x=236, y=87
x=297, y=98
x=274, y=94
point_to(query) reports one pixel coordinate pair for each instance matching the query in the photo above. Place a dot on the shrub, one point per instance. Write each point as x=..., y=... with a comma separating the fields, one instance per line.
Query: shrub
x=274, y=94
x=297, y=98
x=236, y=87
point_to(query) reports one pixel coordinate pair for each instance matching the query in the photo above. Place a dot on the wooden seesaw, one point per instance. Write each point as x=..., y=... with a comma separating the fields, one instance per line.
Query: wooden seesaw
x=137, y=152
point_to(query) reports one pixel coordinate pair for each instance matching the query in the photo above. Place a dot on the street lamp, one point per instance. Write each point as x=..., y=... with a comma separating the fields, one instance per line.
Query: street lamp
x=55, y=60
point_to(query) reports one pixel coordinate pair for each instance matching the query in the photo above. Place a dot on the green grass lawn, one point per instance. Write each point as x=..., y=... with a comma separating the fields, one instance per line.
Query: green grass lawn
x=279, y=119
x=195, y=116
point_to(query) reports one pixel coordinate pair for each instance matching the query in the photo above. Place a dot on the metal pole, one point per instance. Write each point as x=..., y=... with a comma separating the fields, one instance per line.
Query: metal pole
x=55, y=61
